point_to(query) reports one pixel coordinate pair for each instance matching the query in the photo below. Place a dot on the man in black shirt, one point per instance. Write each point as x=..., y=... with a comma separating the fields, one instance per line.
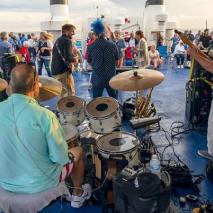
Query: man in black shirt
x=205, y=40
x=103, y=56
x=63, y=59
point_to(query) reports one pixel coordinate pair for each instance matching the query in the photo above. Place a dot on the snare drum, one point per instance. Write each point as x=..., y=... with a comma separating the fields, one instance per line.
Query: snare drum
x=71, y=135
x=104, y=114
x=71, y=110
x=117, y=150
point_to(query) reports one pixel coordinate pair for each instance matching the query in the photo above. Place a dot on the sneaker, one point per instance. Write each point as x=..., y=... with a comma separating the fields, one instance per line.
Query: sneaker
x=205, y=154
x=178, y=66
x=181, y=66
x=78, y=201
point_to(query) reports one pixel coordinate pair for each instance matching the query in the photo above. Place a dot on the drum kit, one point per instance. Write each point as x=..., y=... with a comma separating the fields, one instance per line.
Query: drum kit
x=111, y=149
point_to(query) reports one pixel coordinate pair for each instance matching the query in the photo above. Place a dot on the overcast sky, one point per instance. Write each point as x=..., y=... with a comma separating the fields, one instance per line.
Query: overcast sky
x=25, y=15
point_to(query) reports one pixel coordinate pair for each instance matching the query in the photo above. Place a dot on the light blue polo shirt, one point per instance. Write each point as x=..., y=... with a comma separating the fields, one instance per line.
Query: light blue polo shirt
x=32, y=146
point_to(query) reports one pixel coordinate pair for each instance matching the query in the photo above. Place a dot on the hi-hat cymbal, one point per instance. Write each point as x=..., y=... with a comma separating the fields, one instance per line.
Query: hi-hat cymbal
x=136, y=80
x=49, y=88
x=3, y=84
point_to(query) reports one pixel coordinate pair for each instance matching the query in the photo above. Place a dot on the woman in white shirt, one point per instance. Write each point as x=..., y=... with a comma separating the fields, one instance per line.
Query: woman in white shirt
x=154, y=56
x=179, y=54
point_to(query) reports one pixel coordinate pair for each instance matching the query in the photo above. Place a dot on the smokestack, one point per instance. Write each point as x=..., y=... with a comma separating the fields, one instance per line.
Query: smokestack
x=52, y=2
x=59, y=15
x=154, y=2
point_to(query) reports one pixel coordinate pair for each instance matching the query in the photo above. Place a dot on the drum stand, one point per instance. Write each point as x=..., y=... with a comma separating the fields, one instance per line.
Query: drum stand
x=107, y=170
x=143, y=108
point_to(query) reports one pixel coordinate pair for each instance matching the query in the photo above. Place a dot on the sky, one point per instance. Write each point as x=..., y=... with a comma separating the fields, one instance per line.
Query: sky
x=26, y=15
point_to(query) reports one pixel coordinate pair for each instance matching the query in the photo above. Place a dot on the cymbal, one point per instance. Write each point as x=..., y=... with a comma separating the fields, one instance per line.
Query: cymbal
x=49, y=88
x=136, y=80
x=3, y=84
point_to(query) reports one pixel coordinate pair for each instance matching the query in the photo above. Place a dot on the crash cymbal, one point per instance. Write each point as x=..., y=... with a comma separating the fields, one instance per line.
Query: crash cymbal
x=3, y=84
x=50, y=88
x=136, y=80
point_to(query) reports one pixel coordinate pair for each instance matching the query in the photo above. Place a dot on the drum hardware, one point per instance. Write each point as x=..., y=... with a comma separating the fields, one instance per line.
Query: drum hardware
x=144, y=122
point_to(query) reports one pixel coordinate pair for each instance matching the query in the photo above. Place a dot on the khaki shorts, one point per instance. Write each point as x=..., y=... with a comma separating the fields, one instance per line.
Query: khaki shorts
x=68, y=84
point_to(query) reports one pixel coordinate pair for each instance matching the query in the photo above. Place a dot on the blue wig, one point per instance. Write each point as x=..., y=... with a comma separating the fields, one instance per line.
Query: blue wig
x=98, y=27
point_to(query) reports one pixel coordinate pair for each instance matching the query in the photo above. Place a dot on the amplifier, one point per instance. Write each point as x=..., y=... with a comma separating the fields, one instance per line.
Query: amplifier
x=198, y=103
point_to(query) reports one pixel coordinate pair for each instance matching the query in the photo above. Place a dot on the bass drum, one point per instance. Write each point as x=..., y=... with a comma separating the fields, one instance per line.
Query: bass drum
x=71, y=110
x=104, y=115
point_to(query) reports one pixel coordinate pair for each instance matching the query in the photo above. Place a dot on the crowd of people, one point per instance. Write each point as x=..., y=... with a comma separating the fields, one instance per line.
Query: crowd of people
x=132, y=50
x=202, y=40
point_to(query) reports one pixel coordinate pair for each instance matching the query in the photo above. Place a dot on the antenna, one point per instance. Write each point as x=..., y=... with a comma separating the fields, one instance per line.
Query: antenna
x=97, y=8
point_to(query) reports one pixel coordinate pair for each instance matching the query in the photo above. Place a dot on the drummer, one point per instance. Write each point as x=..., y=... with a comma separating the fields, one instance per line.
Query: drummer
x=34, y=156
x=103, y=57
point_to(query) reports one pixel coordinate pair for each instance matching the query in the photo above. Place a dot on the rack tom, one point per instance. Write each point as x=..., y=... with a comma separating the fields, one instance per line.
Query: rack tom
x=104, y=115
x=71, y=110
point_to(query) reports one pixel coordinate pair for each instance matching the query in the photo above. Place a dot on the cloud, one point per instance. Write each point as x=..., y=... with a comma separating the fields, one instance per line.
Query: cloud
x=24, y=5
x=27, y=14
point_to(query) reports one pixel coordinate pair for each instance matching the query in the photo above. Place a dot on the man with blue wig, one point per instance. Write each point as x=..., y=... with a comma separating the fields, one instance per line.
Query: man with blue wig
x=103, y=57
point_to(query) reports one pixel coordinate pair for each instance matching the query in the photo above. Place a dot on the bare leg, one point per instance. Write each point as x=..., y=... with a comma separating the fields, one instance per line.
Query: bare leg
x=77, y=174
x=155, y=63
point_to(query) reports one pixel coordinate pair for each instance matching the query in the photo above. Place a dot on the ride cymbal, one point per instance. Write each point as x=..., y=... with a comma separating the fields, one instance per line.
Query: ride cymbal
x=136, y=80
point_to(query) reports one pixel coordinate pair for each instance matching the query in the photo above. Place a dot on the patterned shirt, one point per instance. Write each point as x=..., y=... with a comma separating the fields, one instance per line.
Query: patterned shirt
x=33, y=150
x=102, y=55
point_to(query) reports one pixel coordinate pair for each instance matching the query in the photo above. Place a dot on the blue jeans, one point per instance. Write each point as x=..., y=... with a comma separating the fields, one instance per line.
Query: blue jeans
x=180, y=59
x=46, y=63
x=97, y=92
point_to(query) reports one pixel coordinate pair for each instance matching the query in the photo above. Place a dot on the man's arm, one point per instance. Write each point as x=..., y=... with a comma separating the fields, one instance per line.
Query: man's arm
x=89, y=60
x=116, y=55
x=58, y=149
x=204, y=62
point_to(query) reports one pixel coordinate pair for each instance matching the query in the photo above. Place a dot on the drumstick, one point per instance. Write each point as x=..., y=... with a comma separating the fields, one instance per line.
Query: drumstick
x=186, y=40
